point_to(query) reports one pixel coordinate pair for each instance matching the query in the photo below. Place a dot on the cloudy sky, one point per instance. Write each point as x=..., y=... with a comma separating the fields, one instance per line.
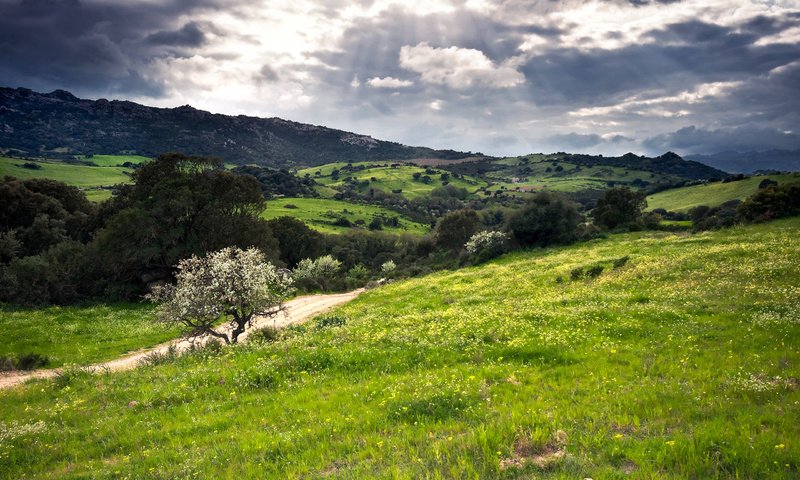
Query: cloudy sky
x=496, y=76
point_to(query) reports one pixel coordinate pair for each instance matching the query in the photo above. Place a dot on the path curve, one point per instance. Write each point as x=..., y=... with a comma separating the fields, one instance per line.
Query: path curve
x=297, y=310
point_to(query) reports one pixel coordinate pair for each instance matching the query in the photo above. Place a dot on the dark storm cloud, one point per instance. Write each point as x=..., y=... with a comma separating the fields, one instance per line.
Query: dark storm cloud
x=90, y=47
x=190, y=35
x=701, y=53
x=579, y=141
x=743, y=138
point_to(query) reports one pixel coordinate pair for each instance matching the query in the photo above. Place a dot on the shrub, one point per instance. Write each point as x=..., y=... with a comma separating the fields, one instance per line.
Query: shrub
x=620, y=207
x=330, y=321
x=24, y=361
x=594, y=272
x=388, y=267
x=486, y=245
x=620, y=262
x=267, y=334
x=455, y=228
x=576, y=273
x=547, y=219
x=318, y=273
x=774, y=201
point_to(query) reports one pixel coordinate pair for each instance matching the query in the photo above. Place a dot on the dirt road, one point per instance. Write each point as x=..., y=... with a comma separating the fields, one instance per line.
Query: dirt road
x=297, y=310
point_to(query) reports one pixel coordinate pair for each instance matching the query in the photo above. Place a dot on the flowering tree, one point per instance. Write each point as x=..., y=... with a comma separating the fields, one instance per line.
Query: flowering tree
x=231, y=284
x=317, y=272
x=490, y=242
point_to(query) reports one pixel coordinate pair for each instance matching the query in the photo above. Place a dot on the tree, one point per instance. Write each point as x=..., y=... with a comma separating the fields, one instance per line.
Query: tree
x=231, y=283
x=296, y=240
x=454, y=228
x=179, y=206
x=620, y=207
x=546, y=219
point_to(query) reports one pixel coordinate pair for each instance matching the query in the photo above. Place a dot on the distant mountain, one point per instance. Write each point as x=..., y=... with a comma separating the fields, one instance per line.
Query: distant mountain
x=669, y=167
x=669, y=163
x=58, y=124
x=749, y=162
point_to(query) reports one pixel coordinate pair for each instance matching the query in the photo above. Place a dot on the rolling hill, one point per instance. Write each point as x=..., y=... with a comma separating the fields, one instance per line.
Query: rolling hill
x=58, y=124
x=679, y=362
x=712, y=194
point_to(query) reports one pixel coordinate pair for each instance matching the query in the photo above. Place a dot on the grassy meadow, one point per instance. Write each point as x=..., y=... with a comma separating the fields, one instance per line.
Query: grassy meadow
x=80, y=335
x=320, y=213
x=539, y=172
x=387, y=179
x=712, y=194
x=681, y=359
x=86, y=177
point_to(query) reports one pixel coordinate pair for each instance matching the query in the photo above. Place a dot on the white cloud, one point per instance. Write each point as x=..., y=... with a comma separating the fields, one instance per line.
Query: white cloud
x=457, y=67
x=388, y=82
x=665, y=106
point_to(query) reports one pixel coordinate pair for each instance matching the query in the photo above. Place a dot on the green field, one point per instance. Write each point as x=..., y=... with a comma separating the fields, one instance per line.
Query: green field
x=320, y=213
x=712, y=194
x=115, y=160
x=82, y=176
x=87, y=178
x=385, y=178
x=532, y=174
x=80, y=335
x=682, y=363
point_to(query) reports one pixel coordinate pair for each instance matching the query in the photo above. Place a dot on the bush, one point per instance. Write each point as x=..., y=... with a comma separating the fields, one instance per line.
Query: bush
x=318, y=273
x=620, y=207
x=267, y=334
x=621, y=261
x=547, y=219
x=774, y=201
x=594, y=272
x=486, y=245
x=455, y=228
x=576, y=273
x=388, y=267
x=24, y=361
x=330, y=321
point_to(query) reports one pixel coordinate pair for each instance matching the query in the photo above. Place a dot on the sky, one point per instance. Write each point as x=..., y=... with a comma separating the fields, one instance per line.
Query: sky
x=501, y=77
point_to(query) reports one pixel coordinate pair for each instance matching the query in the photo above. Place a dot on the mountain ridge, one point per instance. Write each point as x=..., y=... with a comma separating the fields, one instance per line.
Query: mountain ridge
x=61, y=124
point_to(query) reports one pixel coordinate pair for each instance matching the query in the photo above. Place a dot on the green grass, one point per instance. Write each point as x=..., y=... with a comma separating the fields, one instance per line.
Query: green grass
x=319, y=214
x=683, y=363
x=388, y=179
x=80, y=335
x=85, y=177
x=115, y=160
x=533, y=175
x=713, y=194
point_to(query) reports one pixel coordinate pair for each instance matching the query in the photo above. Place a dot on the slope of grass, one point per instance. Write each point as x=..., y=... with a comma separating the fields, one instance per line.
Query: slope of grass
x=682, y=363
x=387, y=178
x=80, y=335
x=538, y=172
x=115, y=160
x=713, y=194
x=320, y=213
x=83, y=176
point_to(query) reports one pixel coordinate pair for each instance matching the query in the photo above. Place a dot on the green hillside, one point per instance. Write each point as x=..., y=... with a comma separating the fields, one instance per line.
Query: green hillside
x=115, y=160
x=321, y=214
x=388, y=178
x=552, y=172
x=89, y=179
x=712, y=194
x=681, y=362
x=80, y=334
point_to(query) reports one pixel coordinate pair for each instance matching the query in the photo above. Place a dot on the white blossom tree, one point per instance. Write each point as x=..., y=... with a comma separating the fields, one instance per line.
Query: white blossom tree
x=231, y=284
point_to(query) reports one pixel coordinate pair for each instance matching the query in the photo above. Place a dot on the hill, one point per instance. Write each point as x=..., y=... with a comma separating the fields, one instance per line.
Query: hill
x=712, y=194
x=58, y=124
x=584, y=177
x=750, y=162
x=681, y=362
x=336, y=216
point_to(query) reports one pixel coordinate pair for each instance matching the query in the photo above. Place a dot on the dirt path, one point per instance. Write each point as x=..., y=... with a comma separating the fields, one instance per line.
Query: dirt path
x=297, y=310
